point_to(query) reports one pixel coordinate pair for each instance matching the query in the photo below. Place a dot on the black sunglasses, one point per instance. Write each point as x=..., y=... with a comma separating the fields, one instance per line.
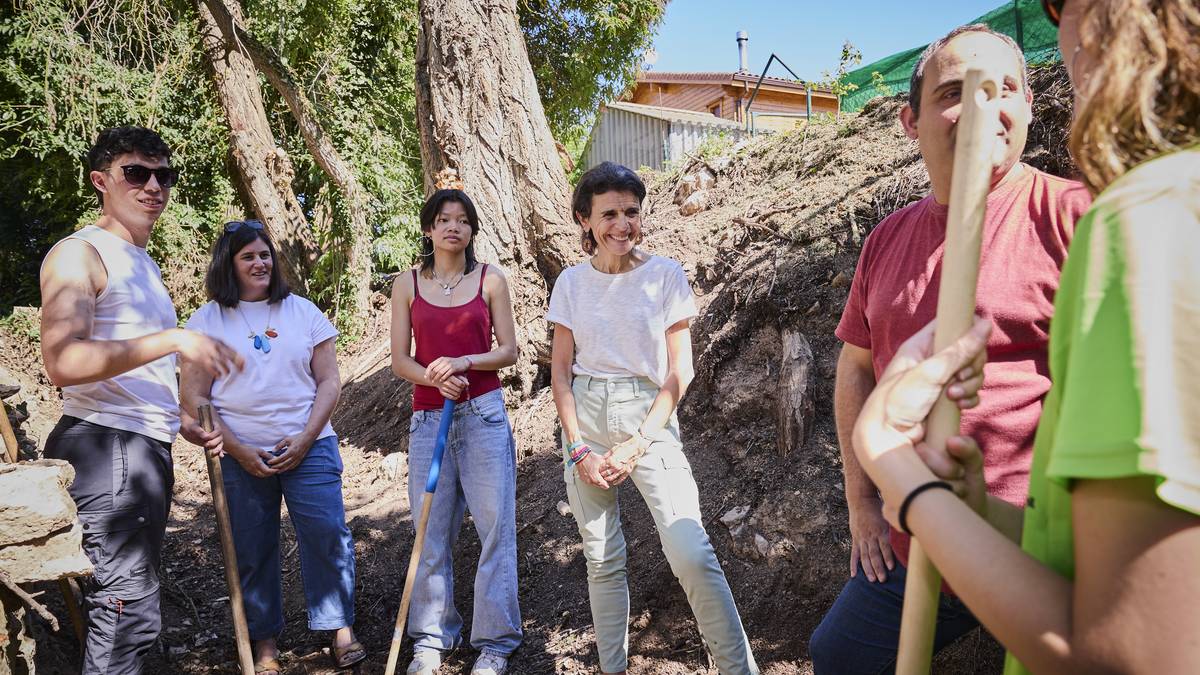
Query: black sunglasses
x=235, y=225
x=138, y=175
x=1053, y=10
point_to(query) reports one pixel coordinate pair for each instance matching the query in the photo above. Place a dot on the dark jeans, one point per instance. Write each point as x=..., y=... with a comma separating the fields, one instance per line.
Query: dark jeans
x=122, y=489
x=860, y=633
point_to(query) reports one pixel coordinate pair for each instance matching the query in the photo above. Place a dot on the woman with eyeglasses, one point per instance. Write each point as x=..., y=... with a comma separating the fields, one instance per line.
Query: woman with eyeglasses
x=1104, y=579
x=459, y=312
x=275, y=440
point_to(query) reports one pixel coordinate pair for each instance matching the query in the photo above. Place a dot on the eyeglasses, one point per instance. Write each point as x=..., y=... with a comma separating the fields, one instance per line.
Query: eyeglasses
x=1053, y=10
x=138, y=175
x=235, y=225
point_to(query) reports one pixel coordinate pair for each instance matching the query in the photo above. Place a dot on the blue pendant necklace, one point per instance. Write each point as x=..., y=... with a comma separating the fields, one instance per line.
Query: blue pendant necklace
x=262, y=341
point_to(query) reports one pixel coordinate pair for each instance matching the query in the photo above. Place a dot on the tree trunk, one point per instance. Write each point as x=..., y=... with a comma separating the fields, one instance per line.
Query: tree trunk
x=228, y=19
x=479, y=112
x=263, y=169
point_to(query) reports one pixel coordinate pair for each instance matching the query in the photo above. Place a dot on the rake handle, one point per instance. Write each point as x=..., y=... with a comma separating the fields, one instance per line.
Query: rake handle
x=435, y=469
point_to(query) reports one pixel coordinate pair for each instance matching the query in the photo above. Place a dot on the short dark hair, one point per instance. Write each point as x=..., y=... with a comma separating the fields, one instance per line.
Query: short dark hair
x=116, y=141
x=429, y=213
x=221, y=281
x=604, y=177
x=917, y=80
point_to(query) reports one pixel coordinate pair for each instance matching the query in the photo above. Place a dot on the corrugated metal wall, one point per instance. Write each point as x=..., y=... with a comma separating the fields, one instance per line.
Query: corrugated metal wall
x=685, y=136
x=629, y=139
x=638, y=140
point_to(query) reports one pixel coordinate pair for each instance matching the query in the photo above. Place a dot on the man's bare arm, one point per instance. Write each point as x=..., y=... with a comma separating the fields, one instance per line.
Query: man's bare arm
x=72, y=278
x=868, y=528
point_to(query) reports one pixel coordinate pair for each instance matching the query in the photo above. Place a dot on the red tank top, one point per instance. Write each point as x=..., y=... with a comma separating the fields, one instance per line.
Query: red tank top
x=451, y=331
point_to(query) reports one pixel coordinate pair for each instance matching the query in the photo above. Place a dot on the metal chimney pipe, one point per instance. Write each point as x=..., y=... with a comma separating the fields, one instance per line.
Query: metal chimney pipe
x=743, y=52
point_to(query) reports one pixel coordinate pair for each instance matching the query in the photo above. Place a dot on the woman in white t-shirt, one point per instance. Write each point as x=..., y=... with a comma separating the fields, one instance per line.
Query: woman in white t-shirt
x=622, y=359
x=276, y=441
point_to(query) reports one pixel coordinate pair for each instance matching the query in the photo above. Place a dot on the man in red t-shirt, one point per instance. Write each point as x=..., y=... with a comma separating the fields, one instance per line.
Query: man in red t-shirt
x=1029, y=221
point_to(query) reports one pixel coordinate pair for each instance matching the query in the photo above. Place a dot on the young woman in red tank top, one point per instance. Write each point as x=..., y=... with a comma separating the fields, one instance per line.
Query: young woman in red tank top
x=460, y=314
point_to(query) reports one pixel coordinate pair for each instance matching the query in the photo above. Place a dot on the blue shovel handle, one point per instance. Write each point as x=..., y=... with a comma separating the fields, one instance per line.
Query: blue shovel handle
x=439, y=446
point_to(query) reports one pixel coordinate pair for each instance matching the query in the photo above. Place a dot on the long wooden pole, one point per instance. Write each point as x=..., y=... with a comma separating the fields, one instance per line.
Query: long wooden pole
x=216, y=483
x=970, y=182
x=431, y=482
x=10, y=438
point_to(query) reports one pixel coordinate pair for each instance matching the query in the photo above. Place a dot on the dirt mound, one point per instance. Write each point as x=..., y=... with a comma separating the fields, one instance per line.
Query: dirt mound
x=770, y=257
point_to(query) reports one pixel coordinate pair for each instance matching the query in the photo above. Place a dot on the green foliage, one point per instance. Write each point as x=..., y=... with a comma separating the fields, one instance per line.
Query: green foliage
x=879, y=83
x=836, y=81
x=585, y=52
x=65, y=73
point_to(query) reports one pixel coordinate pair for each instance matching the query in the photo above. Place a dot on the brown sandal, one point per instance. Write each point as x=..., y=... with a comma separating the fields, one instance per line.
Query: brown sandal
x=344, y=657
x=267, y=667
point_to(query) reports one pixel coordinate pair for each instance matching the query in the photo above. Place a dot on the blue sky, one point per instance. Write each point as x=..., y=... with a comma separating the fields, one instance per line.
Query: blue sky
x=699, y=35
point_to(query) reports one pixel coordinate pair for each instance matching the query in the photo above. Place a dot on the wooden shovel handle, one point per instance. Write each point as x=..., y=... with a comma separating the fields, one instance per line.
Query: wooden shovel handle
x=969, y=187
x=216, y=483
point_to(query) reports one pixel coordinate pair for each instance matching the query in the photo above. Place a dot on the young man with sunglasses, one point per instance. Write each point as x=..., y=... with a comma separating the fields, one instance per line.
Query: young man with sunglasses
x=1029, y=221
x=109, y=339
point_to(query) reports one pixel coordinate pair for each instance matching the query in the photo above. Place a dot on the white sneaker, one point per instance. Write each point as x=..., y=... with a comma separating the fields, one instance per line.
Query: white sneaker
x=425, y=662
x=490, y=664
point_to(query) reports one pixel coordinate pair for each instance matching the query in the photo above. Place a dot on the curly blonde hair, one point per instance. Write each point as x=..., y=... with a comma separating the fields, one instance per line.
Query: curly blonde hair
x=1142, y=99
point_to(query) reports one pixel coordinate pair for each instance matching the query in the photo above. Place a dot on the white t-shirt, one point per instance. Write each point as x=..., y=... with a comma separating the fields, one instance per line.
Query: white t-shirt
x=273, y=396
x=620, y=321
x=133, y=304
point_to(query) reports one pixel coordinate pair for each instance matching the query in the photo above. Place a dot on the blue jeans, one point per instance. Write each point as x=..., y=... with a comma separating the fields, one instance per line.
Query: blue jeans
x=861, y=632
x=313, y=491
x=479, y=473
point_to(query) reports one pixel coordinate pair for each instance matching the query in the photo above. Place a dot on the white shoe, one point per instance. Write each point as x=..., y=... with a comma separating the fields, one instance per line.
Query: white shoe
x=490, y=664
x=425, y=662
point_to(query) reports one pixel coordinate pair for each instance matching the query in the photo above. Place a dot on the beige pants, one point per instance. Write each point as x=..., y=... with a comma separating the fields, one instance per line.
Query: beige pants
x=609, y=410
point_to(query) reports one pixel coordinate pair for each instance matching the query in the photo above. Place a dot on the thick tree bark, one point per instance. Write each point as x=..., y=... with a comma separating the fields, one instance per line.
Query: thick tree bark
x=318, y=143
x=263, y=169
x=479, y=112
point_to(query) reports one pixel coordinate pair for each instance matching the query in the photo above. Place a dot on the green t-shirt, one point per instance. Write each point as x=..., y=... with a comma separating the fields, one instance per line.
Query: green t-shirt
x=1124, y=355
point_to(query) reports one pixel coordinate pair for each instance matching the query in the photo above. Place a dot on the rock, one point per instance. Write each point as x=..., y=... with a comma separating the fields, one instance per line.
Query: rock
x=690, y=184
x=842, y=279
x=735, y=515
x=45, y=558
x=394, y=465
x=762, y=545
x=564, y=509
x=694, y=204
x=34, y=501
x=176, y=651
x=794, y=406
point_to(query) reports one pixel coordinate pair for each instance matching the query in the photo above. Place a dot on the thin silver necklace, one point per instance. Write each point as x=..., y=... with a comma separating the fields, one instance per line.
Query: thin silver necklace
x=448, y=288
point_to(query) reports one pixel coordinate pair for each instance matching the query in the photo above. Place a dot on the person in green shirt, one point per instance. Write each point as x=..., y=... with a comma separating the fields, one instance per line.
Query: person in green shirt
x=1105, y=578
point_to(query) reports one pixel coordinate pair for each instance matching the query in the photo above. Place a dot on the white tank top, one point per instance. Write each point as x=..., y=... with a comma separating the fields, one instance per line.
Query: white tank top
x=134, y=303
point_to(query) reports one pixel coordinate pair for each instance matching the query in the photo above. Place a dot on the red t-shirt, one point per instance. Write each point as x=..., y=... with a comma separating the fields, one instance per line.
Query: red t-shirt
x=1028, y=225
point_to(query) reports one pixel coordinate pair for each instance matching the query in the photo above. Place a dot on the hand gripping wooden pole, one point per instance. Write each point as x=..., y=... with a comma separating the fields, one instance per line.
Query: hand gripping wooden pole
x=439, y=447
x=12, y=453
x=970, y=182
x=216, y=484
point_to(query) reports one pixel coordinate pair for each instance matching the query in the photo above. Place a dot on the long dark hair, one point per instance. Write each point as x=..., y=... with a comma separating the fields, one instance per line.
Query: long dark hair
x=429, y=212
x=221, y=281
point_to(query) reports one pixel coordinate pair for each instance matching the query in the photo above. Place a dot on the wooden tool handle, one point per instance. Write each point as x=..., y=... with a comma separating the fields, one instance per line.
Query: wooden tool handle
x=10, y=438
x=216, y=483
x=970, y=183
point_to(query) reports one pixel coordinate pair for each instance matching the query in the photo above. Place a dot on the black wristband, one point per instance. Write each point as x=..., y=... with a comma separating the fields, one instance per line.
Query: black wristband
x=913, y=495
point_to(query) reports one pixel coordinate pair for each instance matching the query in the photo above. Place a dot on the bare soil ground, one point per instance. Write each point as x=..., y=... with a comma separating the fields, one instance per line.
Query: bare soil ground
x=774, y=252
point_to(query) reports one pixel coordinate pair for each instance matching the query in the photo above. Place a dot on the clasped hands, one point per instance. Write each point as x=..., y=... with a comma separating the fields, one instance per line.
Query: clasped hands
x=889, y=435
x=612, y=468
x=444, y=371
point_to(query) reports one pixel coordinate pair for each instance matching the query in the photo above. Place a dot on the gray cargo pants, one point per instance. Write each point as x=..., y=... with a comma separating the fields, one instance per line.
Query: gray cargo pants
x=122, y=489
